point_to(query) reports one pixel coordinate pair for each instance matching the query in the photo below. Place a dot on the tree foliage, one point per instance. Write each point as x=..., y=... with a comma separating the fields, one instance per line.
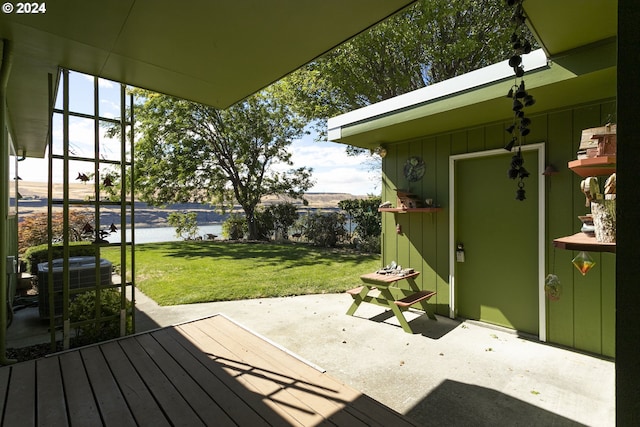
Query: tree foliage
x=364, y=213
x=89, y=329
x=188, y=152
x=283, y=215
x=32, y=229
x=185, y=223
x=270, y=221
x=234, y=227
x=431, y=41
x=324, y=229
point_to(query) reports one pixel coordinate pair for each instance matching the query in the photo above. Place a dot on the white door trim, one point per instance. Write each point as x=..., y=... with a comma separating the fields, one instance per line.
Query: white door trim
x=540, y=147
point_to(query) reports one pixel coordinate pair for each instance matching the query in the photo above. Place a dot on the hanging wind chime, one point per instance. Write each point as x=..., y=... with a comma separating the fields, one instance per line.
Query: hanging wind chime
x=520, y=98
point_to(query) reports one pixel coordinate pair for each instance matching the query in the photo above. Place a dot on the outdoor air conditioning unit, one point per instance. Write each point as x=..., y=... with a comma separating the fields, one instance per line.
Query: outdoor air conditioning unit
x=82, y=274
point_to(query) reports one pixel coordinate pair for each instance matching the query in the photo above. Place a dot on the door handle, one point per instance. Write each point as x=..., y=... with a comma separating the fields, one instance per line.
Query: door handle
x=460, y=252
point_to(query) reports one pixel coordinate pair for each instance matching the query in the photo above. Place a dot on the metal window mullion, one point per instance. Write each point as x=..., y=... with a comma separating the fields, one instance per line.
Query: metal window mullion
x=96, y=172
x=132, y=204
x=87, y=116
x=65, y=210
x=123, y=211
x=52, y=320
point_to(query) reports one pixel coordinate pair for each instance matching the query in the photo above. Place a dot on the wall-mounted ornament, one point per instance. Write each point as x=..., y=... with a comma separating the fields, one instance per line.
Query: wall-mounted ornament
x=518, y=94
x=407, y=200
x=552, y=288
x=583, y=262
x=380, y=150
x=414, y=168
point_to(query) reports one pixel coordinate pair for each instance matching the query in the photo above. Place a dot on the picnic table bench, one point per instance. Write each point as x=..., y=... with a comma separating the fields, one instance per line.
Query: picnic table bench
x=385, y=298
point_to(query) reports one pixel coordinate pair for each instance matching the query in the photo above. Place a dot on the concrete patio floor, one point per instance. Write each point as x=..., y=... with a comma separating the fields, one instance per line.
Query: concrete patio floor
x=447, y=373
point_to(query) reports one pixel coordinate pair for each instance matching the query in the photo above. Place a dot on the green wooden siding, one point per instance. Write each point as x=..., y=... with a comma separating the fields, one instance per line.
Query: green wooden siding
x=584, y=317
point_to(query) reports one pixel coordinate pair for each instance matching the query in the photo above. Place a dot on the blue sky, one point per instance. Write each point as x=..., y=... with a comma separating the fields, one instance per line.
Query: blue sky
x=333, y=170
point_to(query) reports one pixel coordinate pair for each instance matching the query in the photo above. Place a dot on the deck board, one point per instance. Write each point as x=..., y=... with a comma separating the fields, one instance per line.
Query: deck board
x=81, y=405
x=209, y=380
x=51, y=407
x=113, y=407
x=4, y=388
x=21, y=393
x=206, y=372
x=261, y=386
x=143, y=406
x=239, y=387
x=175, y=407
x=314, y=398
x=184, y=384
x=343, y=400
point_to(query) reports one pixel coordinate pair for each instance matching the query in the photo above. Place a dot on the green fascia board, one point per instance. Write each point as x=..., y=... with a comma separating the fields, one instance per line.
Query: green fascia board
x=576, y=77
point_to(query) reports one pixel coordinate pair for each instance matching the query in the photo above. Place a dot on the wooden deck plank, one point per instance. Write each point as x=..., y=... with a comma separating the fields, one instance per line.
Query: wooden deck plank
x=339, y=398
x=322, y=394
x=207, y=372
x=5, y=372
x=176, y=409
x=207, y=375
x=21, y=394
x=138, y=397
x=112, y=405
x=237, y=386
x=81, y=405
x=362, y=408
x=319, y=399
x=260, y=386
x=328, y=397
x=206, y=408
x=51, y=405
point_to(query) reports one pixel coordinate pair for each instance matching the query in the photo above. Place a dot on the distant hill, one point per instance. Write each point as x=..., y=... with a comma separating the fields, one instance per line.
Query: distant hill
x=79, y=191
x=316, y=200
x=34, y=200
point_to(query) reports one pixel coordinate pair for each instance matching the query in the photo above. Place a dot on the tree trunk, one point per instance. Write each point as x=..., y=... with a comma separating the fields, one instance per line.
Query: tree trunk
x=251, y=225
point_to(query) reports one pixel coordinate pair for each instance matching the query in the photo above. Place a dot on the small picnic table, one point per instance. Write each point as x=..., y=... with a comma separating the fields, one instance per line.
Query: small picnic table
x=383, y=283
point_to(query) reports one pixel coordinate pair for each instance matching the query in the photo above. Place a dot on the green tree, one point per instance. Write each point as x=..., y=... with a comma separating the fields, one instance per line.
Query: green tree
x=283, y=215
x=188, y=152
x=429, y=42
x=364, y=213
x=185, y=223
x=325, y=229
x=234, y=227
x=33, y=229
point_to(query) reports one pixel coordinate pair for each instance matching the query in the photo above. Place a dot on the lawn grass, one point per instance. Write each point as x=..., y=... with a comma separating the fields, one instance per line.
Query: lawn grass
x=199, y=271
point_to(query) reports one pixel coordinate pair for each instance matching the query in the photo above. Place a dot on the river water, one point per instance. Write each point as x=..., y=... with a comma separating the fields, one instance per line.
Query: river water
x=163, y=234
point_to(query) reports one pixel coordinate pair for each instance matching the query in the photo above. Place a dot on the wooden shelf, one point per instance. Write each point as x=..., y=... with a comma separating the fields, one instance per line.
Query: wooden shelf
x=400, y=210
x=582, y=242
x=595, y=166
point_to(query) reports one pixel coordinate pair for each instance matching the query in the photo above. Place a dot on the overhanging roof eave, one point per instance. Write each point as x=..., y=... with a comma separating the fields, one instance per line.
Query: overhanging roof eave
x=484, y=103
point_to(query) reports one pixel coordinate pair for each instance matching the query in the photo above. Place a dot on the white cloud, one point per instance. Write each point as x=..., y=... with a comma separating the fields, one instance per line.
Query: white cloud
x=81, y=139
x=109, y=109
x=344, y=180
x=102, y=83
x=333, y=170
x=322, y=154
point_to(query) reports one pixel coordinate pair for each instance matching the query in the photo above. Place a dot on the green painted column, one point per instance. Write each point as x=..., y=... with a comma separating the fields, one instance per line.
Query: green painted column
x=5, y=69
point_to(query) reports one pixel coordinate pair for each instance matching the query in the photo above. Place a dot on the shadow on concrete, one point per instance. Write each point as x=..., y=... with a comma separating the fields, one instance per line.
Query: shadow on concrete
x=454, y=403
x=144, y=322
x=419, y=322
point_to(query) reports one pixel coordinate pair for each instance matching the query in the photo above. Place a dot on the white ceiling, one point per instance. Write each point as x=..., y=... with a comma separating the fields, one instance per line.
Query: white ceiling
x=213, y=52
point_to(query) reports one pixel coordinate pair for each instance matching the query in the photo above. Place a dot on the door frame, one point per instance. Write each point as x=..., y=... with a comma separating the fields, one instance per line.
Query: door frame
x=542, y=309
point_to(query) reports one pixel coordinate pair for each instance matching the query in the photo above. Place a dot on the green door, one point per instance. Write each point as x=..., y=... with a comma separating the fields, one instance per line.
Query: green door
x=498, y=281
